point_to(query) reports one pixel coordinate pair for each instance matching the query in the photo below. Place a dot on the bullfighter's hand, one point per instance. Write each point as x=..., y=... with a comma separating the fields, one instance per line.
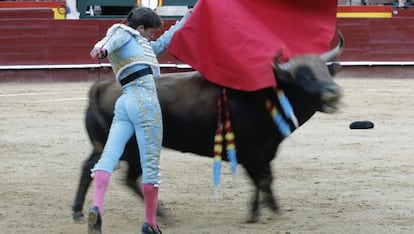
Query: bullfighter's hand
x=98, y=53
x=187, y=14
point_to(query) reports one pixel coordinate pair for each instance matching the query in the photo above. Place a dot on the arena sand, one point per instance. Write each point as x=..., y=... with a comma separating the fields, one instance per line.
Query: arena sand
x=328, y=178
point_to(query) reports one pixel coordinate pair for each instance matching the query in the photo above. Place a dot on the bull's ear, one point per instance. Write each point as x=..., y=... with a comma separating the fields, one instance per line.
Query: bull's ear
x=334, y=68
x=281, y=71
x=282, y=76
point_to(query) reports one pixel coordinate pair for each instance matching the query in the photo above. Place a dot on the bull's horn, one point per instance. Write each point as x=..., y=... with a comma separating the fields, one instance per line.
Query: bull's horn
x=327, y=56
x=332, y=54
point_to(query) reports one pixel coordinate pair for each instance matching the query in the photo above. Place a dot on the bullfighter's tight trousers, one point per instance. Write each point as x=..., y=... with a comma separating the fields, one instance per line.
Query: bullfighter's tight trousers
x=137, y=111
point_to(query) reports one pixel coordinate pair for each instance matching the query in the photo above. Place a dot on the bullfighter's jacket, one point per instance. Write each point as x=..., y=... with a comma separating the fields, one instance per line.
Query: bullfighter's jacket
x=129, y=52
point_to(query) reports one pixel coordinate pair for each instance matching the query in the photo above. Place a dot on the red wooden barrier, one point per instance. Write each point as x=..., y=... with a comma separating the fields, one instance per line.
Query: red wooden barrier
x=51, y=42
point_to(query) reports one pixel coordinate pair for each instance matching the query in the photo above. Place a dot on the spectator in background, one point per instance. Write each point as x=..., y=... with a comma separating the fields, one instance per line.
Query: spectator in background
x=401, y=4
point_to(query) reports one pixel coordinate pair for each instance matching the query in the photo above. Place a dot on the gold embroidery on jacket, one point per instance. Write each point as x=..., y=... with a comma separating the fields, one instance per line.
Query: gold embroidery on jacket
x=134, y=59
x=147, y=58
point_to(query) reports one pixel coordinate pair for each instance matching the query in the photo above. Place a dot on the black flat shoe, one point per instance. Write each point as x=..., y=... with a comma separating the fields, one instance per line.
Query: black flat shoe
x=147, y=229
x=94, y=221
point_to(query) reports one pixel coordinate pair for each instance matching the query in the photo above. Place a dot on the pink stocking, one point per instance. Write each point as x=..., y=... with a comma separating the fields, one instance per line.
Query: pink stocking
x=150, y=193
x=100, y=184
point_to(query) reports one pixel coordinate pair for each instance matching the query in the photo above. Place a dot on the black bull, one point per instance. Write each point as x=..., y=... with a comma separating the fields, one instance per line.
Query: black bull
x=188, y=103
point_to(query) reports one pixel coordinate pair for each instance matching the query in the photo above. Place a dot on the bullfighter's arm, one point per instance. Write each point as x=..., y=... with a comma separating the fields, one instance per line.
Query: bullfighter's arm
x=161, y=44
x=116, y=37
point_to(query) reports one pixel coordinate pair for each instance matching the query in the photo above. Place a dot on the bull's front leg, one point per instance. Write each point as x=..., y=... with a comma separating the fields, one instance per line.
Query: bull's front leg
x=254, y=211
x=84, y=183
x=268, y=197
x=262, y=180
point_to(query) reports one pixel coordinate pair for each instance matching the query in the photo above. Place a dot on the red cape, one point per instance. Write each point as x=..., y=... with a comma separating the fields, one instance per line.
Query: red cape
x=233, y=42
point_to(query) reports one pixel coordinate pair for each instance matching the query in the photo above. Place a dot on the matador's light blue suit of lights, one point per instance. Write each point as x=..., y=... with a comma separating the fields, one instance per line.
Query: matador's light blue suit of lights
x=137, y=110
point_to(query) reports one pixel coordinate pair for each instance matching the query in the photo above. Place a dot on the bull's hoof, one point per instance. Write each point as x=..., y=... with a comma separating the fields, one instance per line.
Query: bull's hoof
x=165, y=219
x=270, y=202
x=275, y=210
x=252, y=220
x=78, y=217
x=254, y=215
x=163, y=215
x=273, y=206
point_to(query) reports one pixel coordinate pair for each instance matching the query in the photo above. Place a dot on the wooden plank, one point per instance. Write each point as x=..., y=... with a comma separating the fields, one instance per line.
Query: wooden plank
x=57, y=42
x=58, y=7
x=32, y=4
x=26, y=13
x=364, y=8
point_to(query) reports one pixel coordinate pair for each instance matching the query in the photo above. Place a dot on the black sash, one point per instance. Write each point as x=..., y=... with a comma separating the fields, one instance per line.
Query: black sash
x=136, y=75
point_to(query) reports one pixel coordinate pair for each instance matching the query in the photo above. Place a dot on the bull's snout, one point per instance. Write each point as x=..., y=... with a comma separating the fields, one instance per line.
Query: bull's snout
x=331, y=98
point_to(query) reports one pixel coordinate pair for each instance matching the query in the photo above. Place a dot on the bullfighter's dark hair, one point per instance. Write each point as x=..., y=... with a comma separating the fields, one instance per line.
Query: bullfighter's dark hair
x=144, y=16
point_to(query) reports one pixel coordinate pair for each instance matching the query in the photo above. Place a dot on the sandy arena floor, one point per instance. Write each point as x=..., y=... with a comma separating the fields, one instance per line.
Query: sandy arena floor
x=329, y=179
